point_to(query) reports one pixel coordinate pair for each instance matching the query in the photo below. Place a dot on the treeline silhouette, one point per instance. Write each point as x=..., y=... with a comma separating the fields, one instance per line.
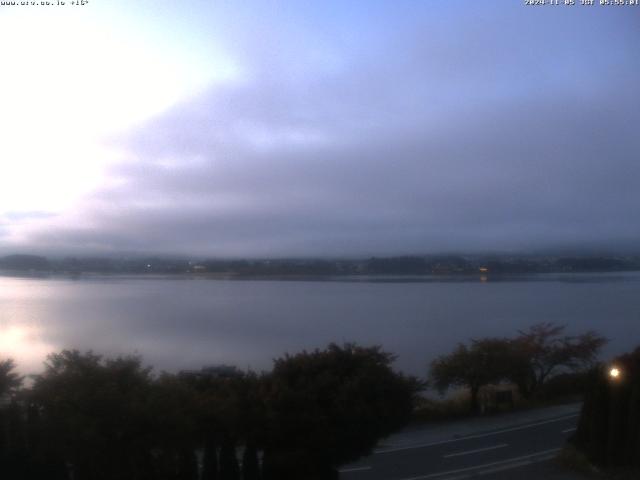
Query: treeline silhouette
x=86, y=417
x=398, y=265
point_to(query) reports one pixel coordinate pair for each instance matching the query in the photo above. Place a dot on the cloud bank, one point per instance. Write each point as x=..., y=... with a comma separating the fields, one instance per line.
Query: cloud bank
x=458, y=129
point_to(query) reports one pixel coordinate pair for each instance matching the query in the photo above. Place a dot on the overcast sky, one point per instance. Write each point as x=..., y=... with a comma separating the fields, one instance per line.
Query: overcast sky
x=331, y=128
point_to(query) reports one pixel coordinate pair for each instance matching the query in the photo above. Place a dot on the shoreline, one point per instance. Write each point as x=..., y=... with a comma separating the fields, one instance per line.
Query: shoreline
x=346, y=278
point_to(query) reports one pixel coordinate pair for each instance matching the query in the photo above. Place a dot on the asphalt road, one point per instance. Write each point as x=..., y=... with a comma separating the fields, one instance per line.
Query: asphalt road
x=510, y=452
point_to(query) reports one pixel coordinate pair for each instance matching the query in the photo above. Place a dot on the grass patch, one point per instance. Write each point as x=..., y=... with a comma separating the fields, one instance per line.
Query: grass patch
x=452, y=407
x=456, y=404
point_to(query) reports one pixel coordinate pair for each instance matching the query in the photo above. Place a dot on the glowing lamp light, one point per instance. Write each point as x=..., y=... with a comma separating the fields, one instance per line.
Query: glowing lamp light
x=614, y=373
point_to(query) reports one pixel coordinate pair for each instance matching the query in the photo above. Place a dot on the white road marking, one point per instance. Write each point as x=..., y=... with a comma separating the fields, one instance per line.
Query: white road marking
x=511, y=466
x=569, y=430
x=354, y=469
x=497, y=466
x=471, y=437
x=477, y=450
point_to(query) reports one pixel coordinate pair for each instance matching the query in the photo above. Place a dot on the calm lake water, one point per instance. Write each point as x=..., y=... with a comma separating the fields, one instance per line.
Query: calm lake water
x=177, y=323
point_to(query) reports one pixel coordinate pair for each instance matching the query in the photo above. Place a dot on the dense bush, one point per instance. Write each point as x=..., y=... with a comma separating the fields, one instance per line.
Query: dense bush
x=564, y=385
x=330, y=407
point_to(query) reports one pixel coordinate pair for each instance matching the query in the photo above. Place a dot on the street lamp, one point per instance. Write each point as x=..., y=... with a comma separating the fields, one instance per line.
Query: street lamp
x=615, y=373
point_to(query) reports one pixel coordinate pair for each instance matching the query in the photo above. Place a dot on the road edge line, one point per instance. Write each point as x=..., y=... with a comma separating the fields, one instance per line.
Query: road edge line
x=502, y=464
x=471, y=437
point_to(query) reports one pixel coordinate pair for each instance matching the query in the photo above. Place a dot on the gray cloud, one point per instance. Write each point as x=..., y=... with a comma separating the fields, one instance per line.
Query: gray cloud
x=467, y=135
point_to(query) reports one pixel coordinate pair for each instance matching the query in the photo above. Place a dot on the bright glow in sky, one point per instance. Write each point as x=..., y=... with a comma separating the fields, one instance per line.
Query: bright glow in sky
x=72, y=77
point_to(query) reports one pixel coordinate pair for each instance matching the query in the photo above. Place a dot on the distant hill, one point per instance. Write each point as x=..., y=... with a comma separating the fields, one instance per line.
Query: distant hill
x=24, y=263
x=399, y=265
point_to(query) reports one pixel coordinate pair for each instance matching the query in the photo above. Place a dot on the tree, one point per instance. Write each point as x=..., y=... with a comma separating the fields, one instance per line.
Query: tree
x=95, y=414
x=543, y=350
x=483, y=362
x=12, y=432
x=10, y=381
x=223, y=414
x=608, y=430
x=329, y=407
x=172, y=428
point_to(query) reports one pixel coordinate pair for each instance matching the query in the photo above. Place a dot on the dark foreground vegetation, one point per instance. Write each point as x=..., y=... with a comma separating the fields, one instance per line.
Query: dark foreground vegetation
x=541, y=361
x=92, y=418
x=86, y=417
x=403, y=265
x=608, y=432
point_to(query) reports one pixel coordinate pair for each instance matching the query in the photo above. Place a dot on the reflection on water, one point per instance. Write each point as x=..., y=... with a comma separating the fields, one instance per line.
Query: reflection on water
x=24, y=344
x=185, y=323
